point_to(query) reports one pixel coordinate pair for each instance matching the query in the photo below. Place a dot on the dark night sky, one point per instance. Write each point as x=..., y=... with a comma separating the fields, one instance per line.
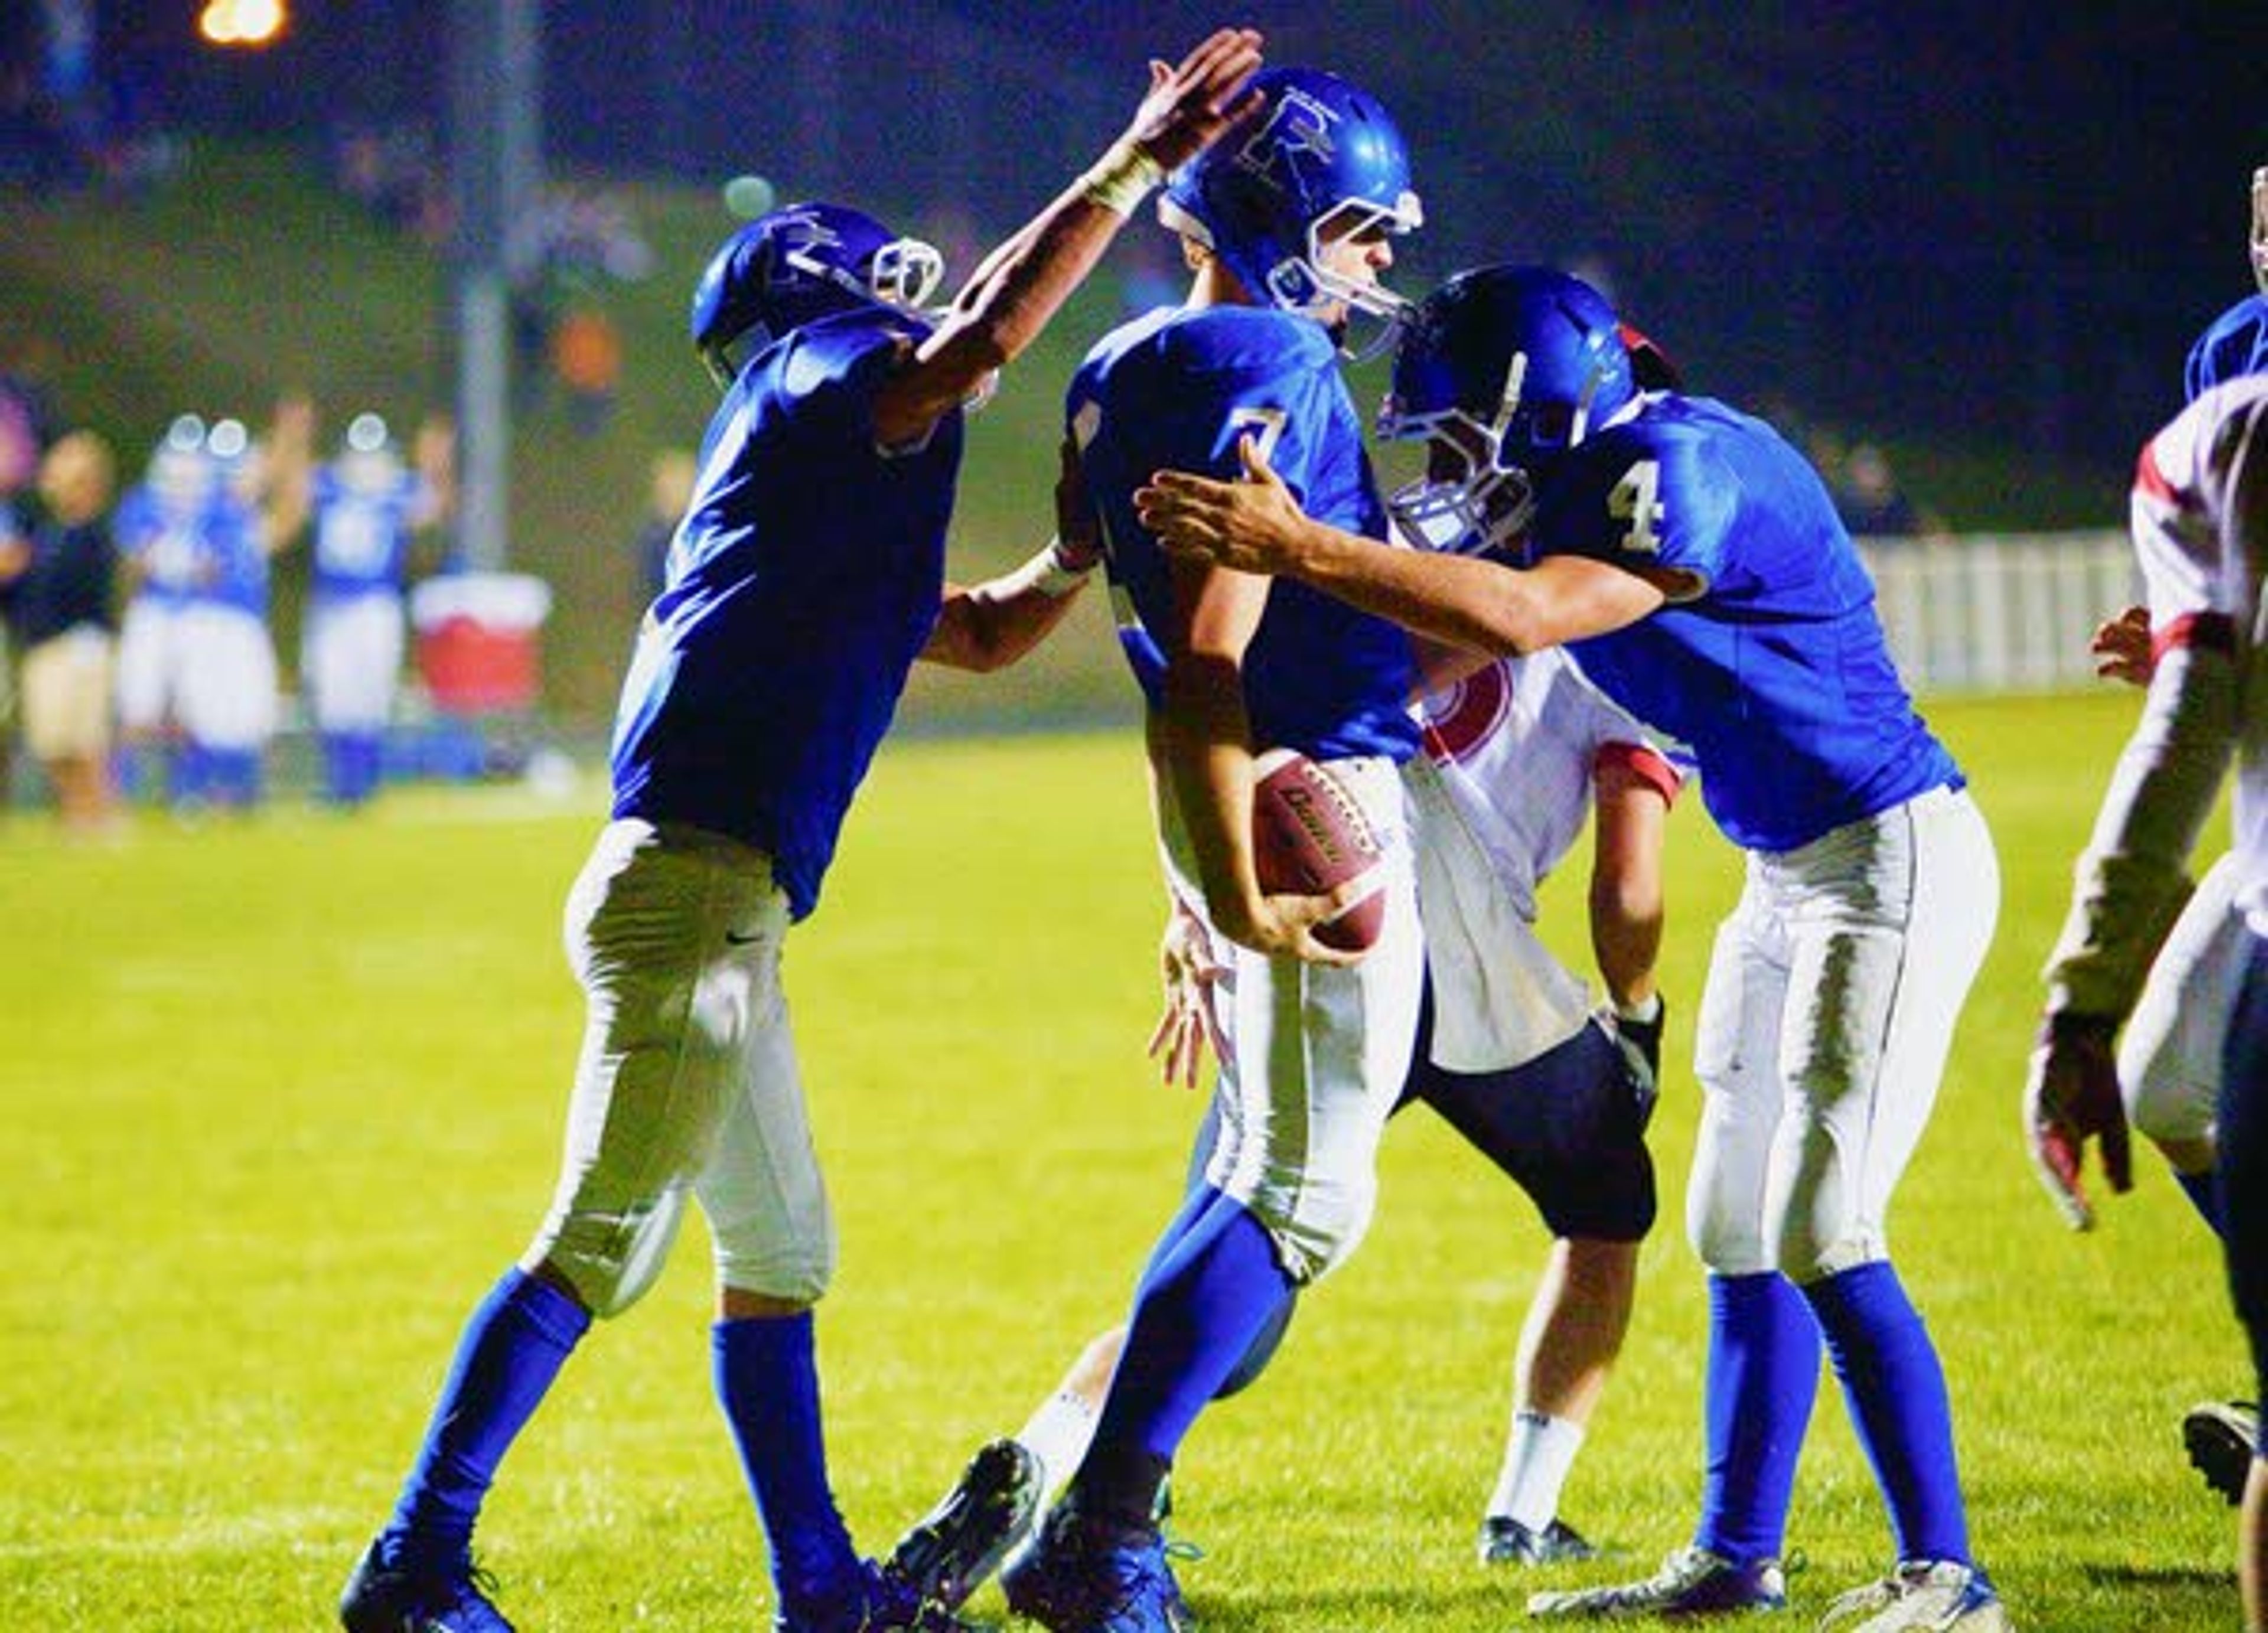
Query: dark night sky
x=2012, y=216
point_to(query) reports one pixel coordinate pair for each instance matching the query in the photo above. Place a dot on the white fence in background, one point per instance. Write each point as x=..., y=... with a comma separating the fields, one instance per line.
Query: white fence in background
x=2000, y=613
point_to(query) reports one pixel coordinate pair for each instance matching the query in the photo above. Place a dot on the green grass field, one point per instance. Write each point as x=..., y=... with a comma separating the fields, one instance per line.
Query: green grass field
x=284, y=1097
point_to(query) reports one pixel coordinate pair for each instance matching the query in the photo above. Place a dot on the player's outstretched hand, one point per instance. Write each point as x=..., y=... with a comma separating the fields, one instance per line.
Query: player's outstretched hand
x=1252, y=525
x=2070, y=1096
x=2122, y=648
x=1189, y=1026
x=1191, y=103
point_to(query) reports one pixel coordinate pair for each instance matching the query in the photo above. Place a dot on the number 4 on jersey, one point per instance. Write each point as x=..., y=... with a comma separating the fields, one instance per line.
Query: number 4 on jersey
x=1636, y=501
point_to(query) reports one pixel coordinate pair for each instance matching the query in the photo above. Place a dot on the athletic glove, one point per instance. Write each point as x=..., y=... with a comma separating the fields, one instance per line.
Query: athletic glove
x=2070, y=1096
x=1640, y=1042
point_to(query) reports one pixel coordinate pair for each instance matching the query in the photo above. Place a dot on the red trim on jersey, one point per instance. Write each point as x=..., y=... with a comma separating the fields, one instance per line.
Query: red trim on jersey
x=1642, y=762
x=2148, y=479
x=2213, y=632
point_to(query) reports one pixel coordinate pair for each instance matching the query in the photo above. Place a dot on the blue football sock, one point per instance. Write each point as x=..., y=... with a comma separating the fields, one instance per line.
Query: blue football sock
x=511, y=1349
x=767, y=1377
x=1762, y=1378
x=1197, y=1311
x=2198, y=1188
x=1896, y=1391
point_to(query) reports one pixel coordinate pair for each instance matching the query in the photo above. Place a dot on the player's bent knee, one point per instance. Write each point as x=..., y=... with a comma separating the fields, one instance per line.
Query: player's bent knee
x=1320, y=1232
x=794, y=1273
x=607, y=1261
x=1726, y=1243
x=1805, y=1259
x=2167, y=1112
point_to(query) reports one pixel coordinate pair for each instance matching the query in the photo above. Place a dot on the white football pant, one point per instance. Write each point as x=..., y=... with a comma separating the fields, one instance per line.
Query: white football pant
x=352, y=660
x=151, y=665
x=1829, y=1008
x=1317, y=1054
x=2169, y=1058
x=228, y=688
x=688, y=1080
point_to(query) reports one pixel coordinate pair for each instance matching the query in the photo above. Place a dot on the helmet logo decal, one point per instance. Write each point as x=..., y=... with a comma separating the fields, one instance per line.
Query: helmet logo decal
x=1297, y=127
x=799, y=236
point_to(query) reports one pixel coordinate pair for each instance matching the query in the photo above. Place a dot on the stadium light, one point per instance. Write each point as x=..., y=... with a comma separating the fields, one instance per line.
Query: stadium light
x=249, y=24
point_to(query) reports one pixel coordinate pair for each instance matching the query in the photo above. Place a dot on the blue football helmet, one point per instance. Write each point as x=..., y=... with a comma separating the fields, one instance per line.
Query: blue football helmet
x=1321, y=159
x=180, y=477
x=2233, y=345
x=796, y=265
x=1502, y=370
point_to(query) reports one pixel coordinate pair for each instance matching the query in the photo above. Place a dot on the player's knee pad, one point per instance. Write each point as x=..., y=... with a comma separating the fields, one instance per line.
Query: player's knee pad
x=1726, y=1234
x=794, y=1268
x=609, y=1260
x=2167, y=1106
x=1818, y=1230
x=1317, y=1219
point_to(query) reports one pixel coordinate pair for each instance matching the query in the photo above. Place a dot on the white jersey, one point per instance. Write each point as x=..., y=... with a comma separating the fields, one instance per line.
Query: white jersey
x=2200, y=523
x=1501, y=794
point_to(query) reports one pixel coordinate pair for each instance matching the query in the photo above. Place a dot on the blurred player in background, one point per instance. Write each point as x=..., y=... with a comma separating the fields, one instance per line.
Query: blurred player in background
x=806, y=577
x=1693, y=560
x=2200, y=522
x=228, y=701
x=2165, y=1074
x=58, y=584
x=159, y=529
x=1285, y=226
x=367, y=504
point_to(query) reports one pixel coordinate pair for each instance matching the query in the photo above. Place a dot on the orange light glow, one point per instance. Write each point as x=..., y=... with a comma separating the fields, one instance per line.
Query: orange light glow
x=250, y=23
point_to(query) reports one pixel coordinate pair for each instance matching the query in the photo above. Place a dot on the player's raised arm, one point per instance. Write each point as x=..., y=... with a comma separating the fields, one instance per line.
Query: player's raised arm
x=1026, y=279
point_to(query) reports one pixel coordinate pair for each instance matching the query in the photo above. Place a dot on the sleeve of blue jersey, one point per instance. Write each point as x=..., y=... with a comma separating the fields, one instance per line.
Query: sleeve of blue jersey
x=828, y=373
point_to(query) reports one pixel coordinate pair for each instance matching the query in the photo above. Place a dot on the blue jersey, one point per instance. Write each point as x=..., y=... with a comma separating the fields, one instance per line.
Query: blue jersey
x=362, y=531
x=237, y=550
x=802, y=584
x=1769, y=663
x=1176, y=389
x=166, y=542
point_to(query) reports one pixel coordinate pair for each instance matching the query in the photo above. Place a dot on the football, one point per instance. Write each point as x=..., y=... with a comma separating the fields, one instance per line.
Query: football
x=1309, y=836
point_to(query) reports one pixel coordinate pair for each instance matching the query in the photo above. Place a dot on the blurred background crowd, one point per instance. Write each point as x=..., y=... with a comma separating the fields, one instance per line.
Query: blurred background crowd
x=1952, y=252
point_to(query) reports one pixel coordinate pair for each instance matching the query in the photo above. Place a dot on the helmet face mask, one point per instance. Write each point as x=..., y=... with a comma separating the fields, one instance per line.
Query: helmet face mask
x=1502, y=371
x=2260, y=228
x=799, y=264
x=1467, y=502
x=367, y=461
x=1320, y=166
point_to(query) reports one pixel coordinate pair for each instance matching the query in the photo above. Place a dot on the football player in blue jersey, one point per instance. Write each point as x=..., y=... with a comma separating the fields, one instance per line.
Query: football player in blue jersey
x=1285, y=223
x=367, y=503
x=159, y=526
x=806, y=577
x=1693, y=562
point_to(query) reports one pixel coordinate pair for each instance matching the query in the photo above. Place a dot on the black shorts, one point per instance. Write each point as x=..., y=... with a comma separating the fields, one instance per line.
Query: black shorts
x=1569, y=1128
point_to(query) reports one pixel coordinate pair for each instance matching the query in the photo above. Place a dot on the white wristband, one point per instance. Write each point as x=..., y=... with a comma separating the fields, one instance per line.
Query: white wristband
x=1122, y=178
x=1047, y=573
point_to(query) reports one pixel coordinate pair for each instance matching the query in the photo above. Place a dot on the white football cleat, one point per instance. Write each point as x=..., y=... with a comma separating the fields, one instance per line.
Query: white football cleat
x=1922, y=1596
